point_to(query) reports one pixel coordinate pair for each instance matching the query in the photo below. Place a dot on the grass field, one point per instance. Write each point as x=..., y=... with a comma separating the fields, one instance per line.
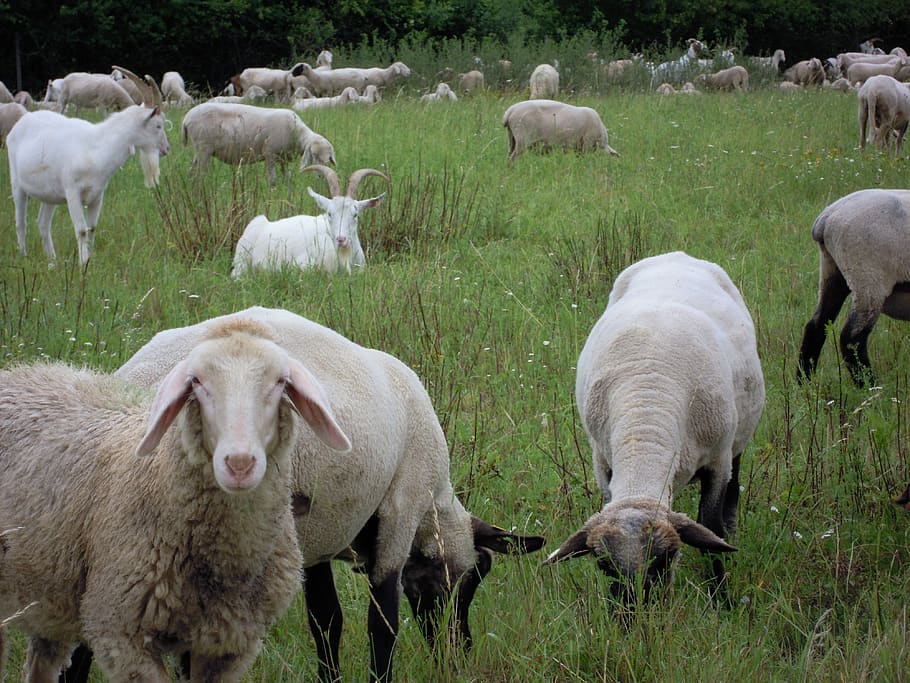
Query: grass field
x=486, y=276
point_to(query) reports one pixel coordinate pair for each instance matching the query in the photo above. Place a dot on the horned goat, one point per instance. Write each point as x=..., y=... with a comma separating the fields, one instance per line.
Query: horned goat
x=242, y=133
x=192, y=549
x=885, y=102
x=669, y=389
x=55, y=160
x=548, y=124
x=328, y=241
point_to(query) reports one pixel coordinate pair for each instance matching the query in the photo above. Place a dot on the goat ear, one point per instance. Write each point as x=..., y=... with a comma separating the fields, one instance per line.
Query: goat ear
x=313, y=405
x=502, y=541
x=574, y=546
x=697, y=535
x=371, y=202
x=172, y=394
x=321, y=200
x=155, y=111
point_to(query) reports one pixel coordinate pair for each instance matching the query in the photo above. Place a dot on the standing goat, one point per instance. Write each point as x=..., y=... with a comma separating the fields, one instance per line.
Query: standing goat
x=328, y=241
x=57, y=160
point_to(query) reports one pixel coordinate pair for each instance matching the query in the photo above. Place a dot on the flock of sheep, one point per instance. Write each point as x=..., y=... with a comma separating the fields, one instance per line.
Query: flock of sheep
x=260, y=417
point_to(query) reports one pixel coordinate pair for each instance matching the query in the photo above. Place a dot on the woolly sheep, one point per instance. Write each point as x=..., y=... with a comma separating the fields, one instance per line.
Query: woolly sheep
x=846, y=59
x=472, y=81
x=93, y=91
x=173, y=88
x=863, y=239
x=443, y=93
x=806, y=72
x=665, y=89
x=346, y=96
x=388, y=504
x=860, y=72
x=732, y=78
x=669, y=389
x=325, y=82
x=191, y=550
x=273, y=81
x=328, y=241
x=886, y=103
x=242, y=133
x=24, y=97
x=544, y=82
x=370, y=95
x=5, y=95
x=547, y=123
x=841, y=85
x=324, y=59
x=10, y=113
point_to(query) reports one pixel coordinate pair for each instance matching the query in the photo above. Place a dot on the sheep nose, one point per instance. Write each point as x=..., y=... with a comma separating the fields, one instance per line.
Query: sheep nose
x=240, y=465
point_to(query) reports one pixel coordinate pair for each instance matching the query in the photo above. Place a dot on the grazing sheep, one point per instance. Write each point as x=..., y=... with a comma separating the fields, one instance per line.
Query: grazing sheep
x=886, y=103
x=733, y=78
x=443, y=93
x=806, y=72
x=10, y=113
x=387, y=505
x=328, y=241
x=472, y=81
x=669, y=390
x=93, y=91
x=173, y=88
x=242, y=133
x=273, y=81
x=190, y=550
x=58, y=160
x=544, y=82
x=860, y=72
x=326, y=82
x=863, y=239
x=548, y=124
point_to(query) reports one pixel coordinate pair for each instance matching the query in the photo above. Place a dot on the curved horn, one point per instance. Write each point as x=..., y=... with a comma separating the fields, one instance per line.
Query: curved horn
x=156, y=91
x=147, y=95
x=359, y=175
x=330, y=176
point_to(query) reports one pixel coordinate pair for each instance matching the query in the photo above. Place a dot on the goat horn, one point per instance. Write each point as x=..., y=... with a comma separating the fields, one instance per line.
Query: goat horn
x=359, y=175
x=330, y=176
x=147, y=95
x=156, y=91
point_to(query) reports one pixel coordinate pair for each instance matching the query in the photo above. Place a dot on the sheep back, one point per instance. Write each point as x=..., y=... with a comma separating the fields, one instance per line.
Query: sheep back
x=549, y=124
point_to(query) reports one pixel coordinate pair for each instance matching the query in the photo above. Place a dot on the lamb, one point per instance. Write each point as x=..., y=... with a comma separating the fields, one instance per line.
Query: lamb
x=328, y=241
x=326, y=82
x=173, y=88
x=886, y=102
x=547, y=124
x=443, y=93
x=398, y=517
x=806, y=72
x=544, y=82
x=860, y=72
x=191, y=550
x=347, y=96
x=669, y=390
x=93, y=91
x=732, y=78
x=242, y=133
x=862, y=239
x=273, y=81
x=10, y=113
x=370, y=95
x=57, y=160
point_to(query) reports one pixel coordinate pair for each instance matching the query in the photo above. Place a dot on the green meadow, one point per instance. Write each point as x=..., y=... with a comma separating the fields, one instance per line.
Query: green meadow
x=486, y=276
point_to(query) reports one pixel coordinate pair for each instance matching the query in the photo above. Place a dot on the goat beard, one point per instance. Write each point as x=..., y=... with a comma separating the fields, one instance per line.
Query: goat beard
x=150, y=170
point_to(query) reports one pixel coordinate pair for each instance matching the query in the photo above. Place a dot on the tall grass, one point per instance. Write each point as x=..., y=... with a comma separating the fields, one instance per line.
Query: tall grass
x=486, y=276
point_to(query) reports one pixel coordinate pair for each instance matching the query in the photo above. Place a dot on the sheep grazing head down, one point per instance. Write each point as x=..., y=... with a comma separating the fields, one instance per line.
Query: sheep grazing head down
x=637, y=542
x=240, y=391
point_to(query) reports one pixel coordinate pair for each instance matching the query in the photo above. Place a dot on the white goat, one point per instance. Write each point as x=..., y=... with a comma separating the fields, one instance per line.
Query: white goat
x=173, y=88
x=241, y=133
x=273, y=81
x=886, y=103
x=57, y=160
x=328, y=241
x=325, y=82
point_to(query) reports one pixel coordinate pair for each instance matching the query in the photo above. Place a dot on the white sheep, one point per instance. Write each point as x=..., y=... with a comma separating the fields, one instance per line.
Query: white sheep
x=665, y=89
x=885, y=102
x=191, y=549
x=387, y=505
x=242, y=133
x=669, y=390
x=840, y=85
x=732, y=78
x=771, y=63
x=251, y=95
x=273, y=81
x=324, y=59
x=24, y=97
x=548, y=124
x=93, y=91
x=173, y=88
x=443, y=93
x=346, y=96
x=471, y=82
x=328, y=241
x=10, y=113
x=55, y=160
x=5, y=95
x=544, y=82
x=860, y=72
x=806, y=72
x=863, y=239
x=326, y=82
x=370, y=95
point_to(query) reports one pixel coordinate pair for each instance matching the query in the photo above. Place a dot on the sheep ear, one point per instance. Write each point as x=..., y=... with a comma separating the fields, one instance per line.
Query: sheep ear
x=172, y=394
x=575, y=546
x=697, y=535
x=313, y=406
x=502, y=541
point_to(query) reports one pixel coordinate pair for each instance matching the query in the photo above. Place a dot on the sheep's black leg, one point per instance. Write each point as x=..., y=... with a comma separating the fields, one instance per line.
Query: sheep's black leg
x=854, y=341
x=832, y=292
x=712, y=511
x=80, y=665
x=325, y=618
x=382, y=625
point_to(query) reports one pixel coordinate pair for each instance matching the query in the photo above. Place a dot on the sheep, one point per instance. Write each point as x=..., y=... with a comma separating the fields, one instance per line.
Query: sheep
x=771, y=63
x=241, y=133
x=387, y=505
x=860, y=72
x=733, y=78
x=669, y=389
x=689, y=88
x=328, y=241
x=862, y=239
x=93, y=91
x=10, y=113
x=789, y=87
x=443, y=93
x=192, y=550
x=173, y=88
x=5, y=95
x=131, y=88
x=886, y=102
x=55, y=160
x=370, y=95
x=806, y=72
x=547, y=123
x=324, y=59
x=544, y=82
x=665, y=89
x=841, y=85
x=847, y=59
x=326, y=82
x=347, y=96
x=251, y=95
x=472, y=81
x=273, y=81
x=24, y=97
